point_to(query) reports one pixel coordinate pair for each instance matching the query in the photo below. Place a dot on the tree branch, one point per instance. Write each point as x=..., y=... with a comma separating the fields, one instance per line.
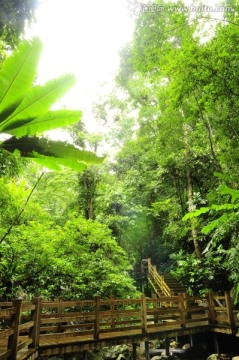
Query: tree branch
x=22, y=210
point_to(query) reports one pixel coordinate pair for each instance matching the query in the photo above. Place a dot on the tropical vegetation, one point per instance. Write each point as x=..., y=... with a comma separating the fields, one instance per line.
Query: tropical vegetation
x=168, y=188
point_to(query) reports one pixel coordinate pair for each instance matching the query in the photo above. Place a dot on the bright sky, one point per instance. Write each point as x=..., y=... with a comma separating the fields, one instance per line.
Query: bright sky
x=82, y=37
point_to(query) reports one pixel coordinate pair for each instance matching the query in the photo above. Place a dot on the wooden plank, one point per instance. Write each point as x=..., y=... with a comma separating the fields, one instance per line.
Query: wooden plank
x=121, y=311
x=24, y=344
x=144, y=314
x=231, y=319
x=26, y=326
x=164, y=325
x=54, y=328
x=8, y=312
x=4, y=334
x=120, y=302
x=67, y=304
x=220, y=308
x=75, y=313
x=57, y=336
x=6, y=303
x=15, y=322
x=27, y=354
x=97, y=318
x=28, y=307
x=163, y=311
x=55, y=320
x=212, y=313
x=164, y=299
x=5, y=355
x=122, y=329
x=198, y=308
x=218, y=297
x=188, y=321
x=35, y=316
x=68, y=314
x=221, y=319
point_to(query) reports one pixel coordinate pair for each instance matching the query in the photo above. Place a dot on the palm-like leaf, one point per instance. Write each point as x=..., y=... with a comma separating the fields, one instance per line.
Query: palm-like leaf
x=24, y=110
x=54, y=163
x=18, y=72
x=38, y=100
x=30, y=146
x=48, y=121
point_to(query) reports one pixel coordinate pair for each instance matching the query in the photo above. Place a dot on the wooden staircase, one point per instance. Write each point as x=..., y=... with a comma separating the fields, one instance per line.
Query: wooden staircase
x=163, y=285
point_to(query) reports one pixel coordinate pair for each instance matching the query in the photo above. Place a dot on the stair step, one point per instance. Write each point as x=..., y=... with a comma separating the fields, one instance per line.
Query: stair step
x=170, y=281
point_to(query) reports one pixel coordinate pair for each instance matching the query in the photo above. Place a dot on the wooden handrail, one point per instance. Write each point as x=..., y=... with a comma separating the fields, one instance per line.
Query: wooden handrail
x=96, y=317
x=23, y=321
x=158, y=280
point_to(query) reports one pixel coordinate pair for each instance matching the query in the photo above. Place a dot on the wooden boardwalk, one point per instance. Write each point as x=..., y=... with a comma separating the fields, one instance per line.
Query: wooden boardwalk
x=45, y=328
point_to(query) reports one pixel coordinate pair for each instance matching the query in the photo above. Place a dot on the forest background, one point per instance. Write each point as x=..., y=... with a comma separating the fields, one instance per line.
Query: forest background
x=168, y=188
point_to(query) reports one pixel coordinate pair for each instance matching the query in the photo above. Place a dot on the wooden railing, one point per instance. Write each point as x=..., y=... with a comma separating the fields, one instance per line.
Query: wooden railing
x=19, y=319
x=28, y=325
x=156, y=279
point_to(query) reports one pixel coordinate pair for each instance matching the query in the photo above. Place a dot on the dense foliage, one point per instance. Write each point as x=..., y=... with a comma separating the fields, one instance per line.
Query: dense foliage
x=14, y=17
x=168, y=191
x=57, y=253
x=46, y=247
x=178, y=81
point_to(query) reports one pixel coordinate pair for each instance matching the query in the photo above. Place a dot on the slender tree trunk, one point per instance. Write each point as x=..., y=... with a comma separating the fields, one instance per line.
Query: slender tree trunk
x=191, y=206
x=210, y=136
x=90, y=209
x=197, y=249
x=87, y=185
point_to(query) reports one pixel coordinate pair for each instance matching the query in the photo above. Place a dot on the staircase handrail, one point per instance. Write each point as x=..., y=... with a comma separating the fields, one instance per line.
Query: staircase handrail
x=158, y=279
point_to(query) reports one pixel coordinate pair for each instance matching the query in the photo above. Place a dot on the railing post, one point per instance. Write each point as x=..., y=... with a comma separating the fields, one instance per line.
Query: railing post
x=15, y=322
x=144, y=314
x=154, y=271
x=186, y=306
x=167, y=347
x=229, y=306
x=146, y=347
x=181, y=303
x=36, y=317
x=155, y=308
x=112, y=311
x=97, y=317
x=59, y=312
x=211, y=309
x=134, y=354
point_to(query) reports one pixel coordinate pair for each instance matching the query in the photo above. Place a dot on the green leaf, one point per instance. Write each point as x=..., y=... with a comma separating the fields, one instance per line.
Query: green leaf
x=19, y=72
x=38, y=101
x=50, y=120
x=222, y=176
x=53, y=163
x=214, y=224
x=29, y=145
x=196, y=213
x=225, y=207
x=225, y=190
x=24, y=110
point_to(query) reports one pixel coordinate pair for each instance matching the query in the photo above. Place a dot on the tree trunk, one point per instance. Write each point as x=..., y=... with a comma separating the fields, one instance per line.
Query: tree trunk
x=197, y=249
x=191, y=206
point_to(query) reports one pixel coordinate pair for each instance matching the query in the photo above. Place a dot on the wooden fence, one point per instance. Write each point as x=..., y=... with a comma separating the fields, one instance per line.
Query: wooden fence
x=20, y=323
x=30, y=324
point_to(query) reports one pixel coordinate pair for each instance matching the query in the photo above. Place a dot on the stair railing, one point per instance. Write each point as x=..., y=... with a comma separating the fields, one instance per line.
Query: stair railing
x=157, y=280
